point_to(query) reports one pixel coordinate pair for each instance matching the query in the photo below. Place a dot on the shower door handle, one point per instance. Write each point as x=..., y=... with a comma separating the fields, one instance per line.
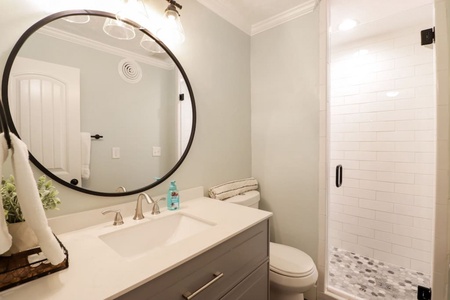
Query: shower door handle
x=338, y=175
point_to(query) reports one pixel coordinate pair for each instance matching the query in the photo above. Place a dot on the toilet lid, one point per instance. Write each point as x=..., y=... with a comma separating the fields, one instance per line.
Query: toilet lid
x=247, y=199
x=289, y=261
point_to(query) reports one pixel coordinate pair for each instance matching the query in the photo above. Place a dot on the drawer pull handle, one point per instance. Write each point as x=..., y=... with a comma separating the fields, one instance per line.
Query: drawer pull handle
x=189, y=295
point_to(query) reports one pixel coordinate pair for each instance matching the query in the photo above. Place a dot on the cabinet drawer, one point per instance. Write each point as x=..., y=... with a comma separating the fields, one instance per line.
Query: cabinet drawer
x=255, y=286
x=236, y=258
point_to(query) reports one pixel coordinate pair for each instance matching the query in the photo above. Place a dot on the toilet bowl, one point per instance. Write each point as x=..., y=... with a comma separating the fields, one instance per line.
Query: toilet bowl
x=292, y=272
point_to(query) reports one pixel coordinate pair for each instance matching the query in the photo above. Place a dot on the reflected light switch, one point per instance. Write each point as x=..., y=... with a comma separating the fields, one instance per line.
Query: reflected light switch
x=156, y=151
x=116, y=152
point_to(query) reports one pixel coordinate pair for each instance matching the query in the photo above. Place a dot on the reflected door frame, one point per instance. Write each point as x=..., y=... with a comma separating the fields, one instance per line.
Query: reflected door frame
x=38, y=90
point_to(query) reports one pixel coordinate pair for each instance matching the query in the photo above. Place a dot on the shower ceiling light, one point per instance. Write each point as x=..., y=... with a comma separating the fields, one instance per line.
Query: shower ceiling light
x=171, y=31
x=347, y=24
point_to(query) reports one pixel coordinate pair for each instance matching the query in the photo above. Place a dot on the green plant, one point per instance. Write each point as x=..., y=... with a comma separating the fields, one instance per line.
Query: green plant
x=11, y=207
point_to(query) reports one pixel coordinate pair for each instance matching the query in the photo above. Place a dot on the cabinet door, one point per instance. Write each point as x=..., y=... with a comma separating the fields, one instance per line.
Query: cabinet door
x=255, y=286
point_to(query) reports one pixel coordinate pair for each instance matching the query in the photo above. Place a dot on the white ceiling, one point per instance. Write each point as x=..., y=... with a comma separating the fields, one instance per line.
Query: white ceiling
x=254, y=16
x=378, y=17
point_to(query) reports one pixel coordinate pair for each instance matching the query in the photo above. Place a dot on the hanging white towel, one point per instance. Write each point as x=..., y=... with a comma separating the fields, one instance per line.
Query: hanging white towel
x=5, y=237
x=233, y=188
x=30, y=202
x=85, y=155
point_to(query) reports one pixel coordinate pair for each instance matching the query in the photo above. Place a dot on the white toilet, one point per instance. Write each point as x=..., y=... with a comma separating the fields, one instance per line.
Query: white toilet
x=292, y=272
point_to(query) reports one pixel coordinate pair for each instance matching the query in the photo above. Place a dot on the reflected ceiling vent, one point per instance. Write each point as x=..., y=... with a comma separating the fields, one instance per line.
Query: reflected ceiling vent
x=130, y=71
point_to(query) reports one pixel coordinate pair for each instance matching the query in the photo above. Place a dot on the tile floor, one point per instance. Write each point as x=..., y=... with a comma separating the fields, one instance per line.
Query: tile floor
x=368, y=278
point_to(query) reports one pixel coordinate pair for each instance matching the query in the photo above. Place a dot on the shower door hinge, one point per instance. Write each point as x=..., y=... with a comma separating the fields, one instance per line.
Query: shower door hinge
x=423, y=293
x=427, y=36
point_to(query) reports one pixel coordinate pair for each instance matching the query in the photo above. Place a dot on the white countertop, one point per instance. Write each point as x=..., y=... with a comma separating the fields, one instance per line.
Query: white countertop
x=97, y=272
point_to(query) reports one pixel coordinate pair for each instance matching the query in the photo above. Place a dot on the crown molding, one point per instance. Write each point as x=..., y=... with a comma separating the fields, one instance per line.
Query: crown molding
x=76, y=39
x=293, y=13
x=243, y=24
x=227, y=14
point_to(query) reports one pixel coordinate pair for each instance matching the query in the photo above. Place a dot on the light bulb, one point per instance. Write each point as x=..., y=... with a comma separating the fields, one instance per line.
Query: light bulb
x=171, y=31
x=134, y=10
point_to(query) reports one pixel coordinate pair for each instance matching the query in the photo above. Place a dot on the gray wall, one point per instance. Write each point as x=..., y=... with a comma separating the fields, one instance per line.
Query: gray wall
x=285, y=128
x=216, y=57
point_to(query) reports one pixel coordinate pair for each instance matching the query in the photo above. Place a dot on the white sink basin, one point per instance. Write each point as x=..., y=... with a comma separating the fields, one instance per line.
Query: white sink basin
x=136, y=240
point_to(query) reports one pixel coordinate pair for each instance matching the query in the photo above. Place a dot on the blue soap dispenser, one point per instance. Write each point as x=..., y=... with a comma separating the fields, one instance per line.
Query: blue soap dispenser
x=173, y=198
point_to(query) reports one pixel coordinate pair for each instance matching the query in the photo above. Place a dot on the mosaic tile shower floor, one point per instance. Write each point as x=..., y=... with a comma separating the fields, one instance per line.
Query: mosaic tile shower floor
x=369, y=278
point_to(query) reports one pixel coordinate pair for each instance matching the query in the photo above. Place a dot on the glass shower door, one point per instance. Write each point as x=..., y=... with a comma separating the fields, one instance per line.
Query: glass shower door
x=382, y=141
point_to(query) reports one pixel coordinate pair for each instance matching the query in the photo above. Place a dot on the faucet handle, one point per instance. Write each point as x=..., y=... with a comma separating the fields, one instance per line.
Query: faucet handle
x=121, y=189
x=118, y=220
x=155, y=209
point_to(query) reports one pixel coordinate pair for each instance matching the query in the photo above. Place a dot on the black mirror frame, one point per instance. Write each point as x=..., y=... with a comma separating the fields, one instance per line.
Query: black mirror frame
x=12, y=128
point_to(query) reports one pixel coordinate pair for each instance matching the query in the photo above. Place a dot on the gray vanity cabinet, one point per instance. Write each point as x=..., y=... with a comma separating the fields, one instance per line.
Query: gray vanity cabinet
x=235, y=269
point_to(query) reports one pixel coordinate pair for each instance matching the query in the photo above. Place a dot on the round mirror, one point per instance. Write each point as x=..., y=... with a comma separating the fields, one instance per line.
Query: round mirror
x=104, y=107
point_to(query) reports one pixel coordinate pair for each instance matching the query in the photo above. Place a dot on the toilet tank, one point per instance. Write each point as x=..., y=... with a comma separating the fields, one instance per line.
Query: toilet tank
x=250, y=199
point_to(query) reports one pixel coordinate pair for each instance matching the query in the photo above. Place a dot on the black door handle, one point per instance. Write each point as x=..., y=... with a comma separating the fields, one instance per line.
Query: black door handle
x=338, y=175
x=74, y=181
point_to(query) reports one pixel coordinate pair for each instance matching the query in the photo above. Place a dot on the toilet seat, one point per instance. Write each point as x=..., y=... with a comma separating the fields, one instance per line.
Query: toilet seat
x=290, y=262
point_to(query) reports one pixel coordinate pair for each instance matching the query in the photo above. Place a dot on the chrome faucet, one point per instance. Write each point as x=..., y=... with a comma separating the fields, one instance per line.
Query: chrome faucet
x=138, y=215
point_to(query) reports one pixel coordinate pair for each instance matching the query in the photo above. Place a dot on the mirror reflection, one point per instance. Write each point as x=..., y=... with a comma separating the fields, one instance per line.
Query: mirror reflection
x=70, y=83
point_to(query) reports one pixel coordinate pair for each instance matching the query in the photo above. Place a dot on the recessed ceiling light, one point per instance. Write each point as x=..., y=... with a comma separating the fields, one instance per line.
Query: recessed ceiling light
x=347, y=24
x=392, y=94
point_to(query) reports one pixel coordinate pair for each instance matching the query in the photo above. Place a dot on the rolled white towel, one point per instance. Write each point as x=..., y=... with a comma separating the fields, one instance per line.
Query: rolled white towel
x=5, y=237
x=233, y=188
x=30, y=202
x=85, y=155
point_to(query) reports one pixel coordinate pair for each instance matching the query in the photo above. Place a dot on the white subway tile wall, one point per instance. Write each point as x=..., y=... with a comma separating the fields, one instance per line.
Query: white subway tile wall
x=382, y=131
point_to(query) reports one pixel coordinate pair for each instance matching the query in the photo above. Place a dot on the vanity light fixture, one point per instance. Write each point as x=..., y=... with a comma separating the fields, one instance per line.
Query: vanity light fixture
x=78, y=19
x=150, y=45
x=131, y=10
x=118, y=29
x=134, y=10
x=171, y=31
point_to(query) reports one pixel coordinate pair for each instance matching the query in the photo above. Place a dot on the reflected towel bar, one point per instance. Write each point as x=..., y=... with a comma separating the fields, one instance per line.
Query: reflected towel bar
x=97, y=136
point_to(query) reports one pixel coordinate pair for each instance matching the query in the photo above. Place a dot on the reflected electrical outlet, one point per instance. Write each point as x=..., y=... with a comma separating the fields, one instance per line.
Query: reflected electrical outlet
x=115, y=152
x=156, y=151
